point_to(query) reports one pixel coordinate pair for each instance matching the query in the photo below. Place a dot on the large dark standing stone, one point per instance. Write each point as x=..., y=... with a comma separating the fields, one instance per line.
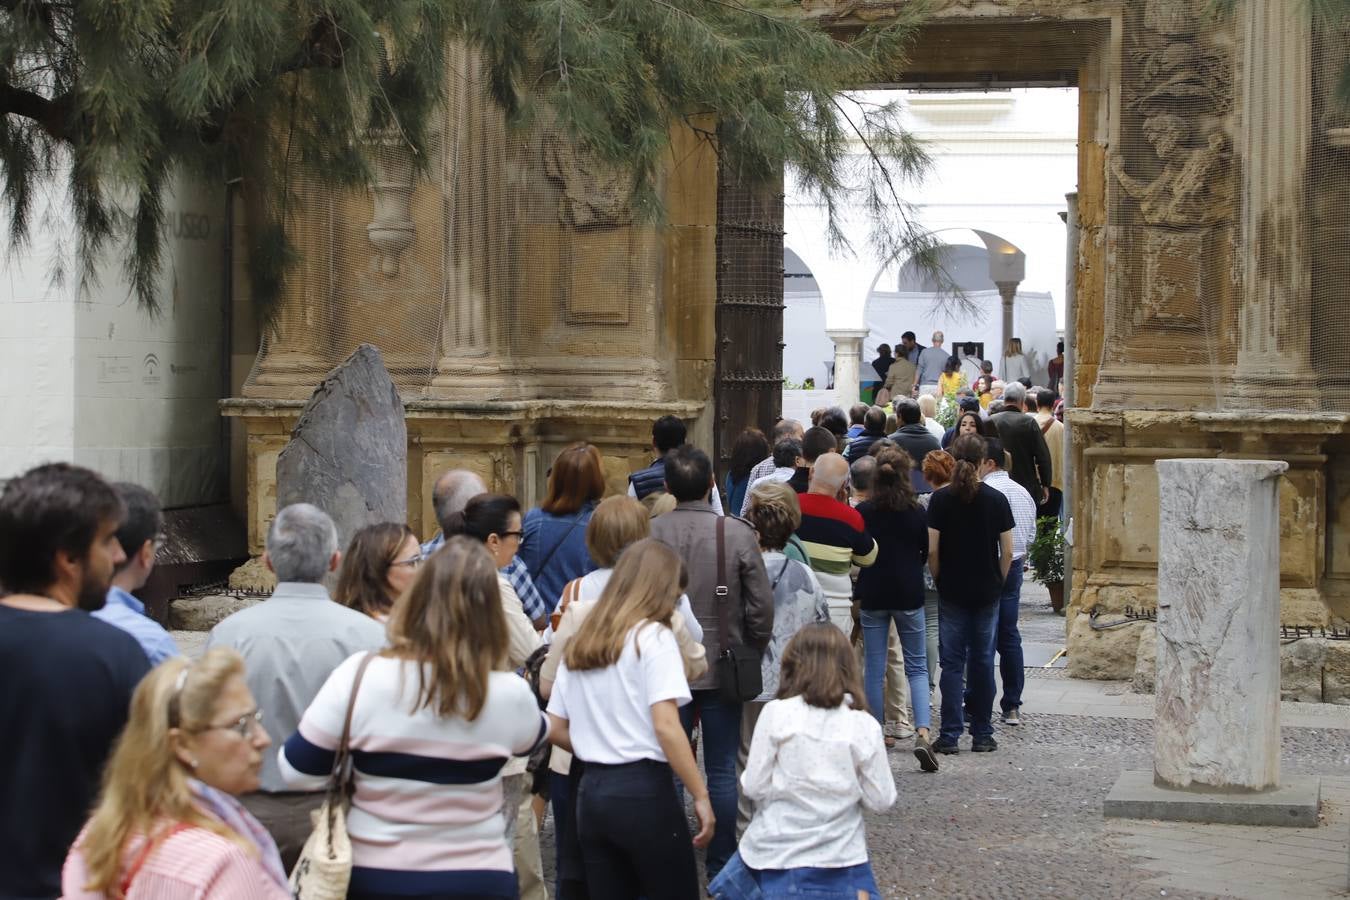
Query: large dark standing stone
x=348, y=454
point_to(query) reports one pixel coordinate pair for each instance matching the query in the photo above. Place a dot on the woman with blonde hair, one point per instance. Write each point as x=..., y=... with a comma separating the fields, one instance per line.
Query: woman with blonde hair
x=168, y=824
x=1016, y=365
x=618, y=523
x=380, y=564
x=615, y=705
x=434, y=722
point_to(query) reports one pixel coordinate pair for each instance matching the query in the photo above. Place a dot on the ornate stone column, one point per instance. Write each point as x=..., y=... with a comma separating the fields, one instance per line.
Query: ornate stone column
x=1275, y=130
x=847, y=364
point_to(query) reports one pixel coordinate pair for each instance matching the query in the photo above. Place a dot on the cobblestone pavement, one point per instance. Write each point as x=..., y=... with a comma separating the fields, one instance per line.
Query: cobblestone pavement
x=1026, y=821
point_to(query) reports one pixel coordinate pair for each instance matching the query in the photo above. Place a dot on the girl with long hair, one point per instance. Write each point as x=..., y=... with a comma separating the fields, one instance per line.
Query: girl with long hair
x=618, y=523
x=434, y=724
x=891, y=590
x=816, y=762
x=380, y=564
x=553, y=545
x=937, y=471
x=969, y=551
x=615, y=705
x=951, y=379
x=169, y=824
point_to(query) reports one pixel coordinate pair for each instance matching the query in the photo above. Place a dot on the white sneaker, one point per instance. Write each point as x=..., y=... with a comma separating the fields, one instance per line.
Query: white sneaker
x=1012, y=717
x=899, y=730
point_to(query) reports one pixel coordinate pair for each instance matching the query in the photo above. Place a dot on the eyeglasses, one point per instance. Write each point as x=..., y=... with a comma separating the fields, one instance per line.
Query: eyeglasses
x=411, y=562
x=243, y=726
x=505, y=534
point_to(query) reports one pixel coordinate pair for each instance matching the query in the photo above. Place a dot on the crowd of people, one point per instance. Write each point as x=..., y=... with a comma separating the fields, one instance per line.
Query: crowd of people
x=584, y=656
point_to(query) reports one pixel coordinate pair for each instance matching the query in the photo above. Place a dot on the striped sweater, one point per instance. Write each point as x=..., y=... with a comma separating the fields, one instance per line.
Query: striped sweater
x=834, y=535
x=426, y=817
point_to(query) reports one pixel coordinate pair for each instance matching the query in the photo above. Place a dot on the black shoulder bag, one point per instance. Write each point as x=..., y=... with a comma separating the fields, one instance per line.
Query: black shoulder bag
x=739, y=677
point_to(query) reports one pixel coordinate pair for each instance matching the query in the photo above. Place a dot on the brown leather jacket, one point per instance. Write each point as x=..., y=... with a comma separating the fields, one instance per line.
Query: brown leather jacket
x=691, y=530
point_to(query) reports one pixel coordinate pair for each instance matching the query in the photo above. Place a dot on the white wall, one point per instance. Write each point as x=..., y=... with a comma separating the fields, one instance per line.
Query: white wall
x=90, y=378
x=1003, y=162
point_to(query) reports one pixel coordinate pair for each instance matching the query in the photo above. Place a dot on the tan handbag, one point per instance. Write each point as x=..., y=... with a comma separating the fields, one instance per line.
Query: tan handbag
x=324, y=869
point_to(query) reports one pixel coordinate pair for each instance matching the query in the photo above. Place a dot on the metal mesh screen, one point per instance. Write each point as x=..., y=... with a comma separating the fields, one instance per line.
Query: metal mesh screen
x=511, y=268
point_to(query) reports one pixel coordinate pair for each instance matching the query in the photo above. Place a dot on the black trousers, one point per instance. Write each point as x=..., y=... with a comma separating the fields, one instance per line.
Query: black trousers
x=1051, y=506
x=634, y=837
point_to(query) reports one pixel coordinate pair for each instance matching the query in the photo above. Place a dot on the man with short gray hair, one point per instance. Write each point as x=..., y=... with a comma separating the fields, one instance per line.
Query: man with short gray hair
x=929, y=367
x=291, y=643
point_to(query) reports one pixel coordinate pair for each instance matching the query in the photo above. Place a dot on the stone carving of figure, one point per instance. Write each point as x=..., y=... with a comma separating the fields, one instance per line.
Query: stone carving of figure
x=1172, y=17
x=1181, y=72
x=592, y=193
x=1192, y=189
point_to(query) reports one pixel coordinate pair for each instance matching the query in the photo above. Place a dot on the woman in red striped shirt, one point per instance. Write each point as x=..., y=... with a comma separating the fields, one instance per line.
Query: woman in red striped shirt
x=168, y=825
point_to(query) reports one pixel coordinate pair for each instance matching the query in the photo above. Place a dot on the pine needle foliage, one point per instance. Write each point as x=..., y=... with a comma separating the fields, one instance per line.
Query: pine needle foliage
x=123, y=94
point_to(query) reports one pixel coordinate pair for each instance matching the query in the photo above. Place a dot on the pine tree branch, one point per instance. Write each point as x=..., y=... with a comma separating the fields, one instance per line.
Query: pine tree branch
x=52, y=115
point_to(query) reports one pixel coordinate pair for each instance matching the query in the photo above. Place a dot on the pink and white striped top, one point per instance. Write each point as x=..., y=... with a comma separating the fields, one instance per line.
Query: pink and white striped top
x=191, y=864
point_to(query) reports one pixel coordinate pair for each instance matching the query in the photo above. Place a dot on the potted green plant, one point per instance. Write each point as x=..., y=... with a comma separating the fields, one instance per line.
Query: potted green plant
x=1046, y=555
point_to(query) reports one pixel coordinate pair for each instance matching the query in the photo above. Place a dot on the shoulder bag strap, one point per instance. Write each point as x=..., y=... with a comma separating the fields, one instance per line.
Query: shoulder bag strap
x=152, y=843
x=569, y=595
x=562, y=540
x=783, y=571
x=1045, y=426
x=340, y=783
x=721, y=594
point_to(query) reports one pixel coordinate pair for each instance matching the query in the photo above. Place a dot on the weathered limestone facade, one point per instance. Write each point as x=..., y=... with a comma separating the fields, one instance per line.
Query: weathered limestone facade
x=1213, y=255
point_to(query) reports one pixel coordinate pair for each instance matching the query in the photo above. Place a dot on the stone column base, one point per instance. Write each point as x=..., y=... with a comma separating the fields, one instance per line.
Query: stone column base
x=1293, y=804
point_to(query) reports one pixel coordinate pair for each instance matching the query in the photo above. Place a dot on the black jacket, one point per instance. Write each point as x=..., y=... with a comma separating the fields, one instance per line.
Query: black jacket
x=1031, y=463
x=918, y=442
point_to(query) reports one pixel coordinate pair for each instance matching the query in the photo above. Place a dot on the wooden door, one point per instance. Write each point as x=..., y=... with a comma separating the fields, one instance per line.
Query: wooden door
x=749, y=383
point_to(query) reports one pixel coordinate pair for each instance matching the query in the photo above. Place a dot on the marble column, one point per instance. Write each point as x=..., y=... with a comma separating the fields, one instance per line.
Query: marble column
x=1217, y=723
x=1274, y=135
x=1008, y=291
x=847, y=364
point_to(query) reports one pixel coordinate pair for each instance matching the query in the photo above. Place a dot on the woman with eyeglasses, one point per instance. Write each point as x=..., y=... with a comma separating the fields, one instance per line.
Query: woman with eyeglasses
x=168, y=824
x=379, y=566
x=435, y=725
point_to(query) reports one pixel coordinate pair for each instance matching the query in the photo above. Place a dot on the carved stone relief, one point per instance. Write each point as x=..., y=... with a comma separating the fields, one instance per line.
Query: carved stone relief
x=592, y=193
x=391, y=230
x=1193, y=188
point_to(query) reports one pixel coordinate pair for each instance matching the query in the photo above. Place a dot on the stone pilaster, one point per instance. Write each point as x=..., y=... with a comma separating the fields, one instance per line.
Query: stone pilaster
x=1275, y=130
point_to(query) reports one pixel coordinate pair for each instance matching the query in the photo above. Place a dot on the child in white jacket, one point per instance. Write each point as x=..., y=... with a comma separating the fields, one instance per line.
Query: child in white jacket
x=816, y=760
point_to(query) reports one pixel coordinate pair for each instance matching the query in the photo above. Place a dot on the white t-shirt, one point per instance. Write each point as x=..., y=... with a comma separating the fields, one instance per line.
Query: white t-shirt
x=609, y=711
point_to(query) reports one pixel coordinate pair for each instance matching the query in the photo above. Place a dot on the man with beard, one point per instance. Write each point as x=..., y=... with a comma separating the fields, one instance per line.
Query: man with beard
x=68, y=677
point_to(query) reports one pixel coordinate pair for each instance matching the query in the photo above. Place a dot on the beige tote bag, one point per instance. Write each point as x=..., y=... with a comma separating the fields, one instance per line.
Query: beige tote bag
x=324, y=869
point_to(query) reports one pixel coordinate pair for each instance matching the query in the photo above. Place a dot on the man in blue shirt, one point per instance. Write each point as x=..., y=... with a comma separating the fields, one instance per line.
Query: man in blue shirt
x=451, y=493
x=139, y=535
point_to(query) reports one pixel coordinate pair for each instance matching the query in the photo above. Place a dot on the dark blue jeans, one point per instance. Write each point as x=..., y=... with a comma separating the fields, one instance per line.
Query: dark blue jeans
x=721, y=724
x=1009, y=640
x=966, y=639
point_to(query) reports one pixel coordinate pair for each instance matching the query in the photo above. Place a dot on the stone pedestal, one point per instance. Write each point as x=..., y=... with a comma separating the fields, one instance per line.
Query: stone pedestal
x=1216, y=754
x=847, y=364
x=1218, y=710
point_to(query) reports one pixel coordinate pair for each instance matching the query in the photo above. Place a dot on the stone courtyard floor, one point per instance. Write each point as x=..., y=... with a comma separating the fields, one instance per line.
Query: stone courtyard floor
x=1026, y=821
